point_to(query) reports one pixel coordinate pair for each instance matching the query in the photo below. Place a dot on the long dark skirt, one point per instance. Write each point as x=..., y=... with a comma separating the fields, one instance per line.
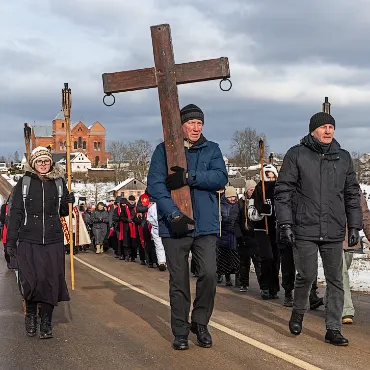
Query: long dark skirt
x=42, y=272
x=228, y=261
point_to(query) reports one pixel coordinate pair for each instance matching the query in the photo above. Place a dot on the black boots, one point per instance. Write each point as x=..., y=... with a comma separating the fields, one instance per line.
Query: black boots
x=335, y=337
x=315, y=300
x=45, y=326
x=295, y=323
x=180, y=342
x=30, y=319
x=203, y=337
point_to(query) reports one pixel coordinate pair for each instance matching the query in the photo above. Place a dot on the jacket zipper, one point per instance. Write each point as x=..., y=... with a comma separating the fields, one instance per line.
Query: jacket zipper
x=322, y=158
x=43, y=213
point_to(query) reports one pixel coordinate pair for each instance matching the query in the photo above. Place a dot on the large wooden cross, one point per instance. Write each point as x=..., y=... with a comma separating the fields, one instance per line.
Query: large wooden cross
x=166, y=75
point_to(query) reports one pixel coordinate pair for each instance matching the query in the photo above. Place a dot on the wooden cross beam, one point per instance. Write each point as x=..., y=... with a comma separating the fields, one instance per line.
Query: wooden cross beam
x=166, y=75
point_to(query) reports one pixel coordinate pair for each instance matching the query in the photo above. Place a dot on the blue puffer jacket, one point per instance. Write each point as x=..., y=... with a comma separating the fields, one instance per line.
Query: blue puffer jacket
x=207, y=174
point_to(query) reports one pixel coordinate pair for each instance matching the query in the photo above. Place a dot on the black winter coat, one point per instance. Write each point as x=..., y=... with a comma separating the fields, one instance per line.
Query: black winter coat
x=230, y=215
x=42, y=225
x=317, y=192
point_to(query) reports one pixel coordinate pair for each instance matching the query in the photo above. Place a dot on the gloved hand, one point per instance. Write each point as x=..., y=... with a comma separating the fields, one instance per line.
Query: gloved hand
x=353, y=237
x=286, y=235
x=11, y=248
x=70, y=197
x=179, y=226
x=178, y=179
x=266, y=209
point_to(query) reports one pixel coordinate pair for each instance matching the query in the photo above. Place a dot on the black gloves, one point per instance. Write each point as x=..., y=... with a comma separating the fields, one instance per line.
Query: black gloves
x=178, y=179
x=179, y=226
x=70, y=197
x=286, y=235
x=11, y=248
x=266, y=209
x=353, y=237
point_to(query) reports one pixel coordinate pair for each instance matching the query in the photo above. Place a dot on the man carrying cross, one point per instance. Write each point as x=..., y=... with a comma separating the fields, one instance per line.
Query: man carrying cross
x=205, y=174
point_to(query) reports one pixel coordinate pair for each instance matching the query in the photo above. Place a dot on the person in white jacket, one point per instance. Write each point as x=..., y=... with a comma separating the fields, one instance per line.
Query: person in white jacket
x=159, y=248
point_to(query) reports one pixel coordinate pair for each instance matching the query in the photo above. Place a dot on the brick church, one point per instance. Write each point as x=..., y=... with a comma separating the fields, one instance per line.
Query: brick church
x=88, y=140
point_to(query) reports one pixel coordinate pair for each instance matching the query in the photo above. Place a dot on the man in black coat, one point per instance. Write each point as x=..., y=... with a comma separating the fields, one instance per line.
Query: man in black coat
x=316, y=193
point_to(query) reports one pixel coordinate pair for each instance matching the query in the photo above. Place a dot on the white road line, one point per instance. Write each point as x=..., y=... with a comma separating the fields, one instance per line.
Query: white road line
x=255, y=343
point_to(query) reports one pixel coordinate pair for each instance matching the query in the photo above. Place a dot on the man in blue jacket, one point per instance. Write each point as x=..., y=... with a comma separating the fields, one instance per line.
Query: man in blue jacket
x=205, y=174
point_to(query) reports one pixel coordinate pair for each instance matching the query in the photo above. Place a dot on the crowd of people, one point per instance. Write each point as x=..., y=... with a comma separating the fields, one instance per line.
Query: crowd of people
x=313, y=203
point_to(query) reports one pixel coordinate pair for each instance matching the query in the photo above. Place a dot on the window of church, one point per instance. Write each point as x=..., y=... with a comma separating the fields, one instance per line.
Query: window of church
x=98, y=146
x=75, y=144
x=80, y=142
x=62, y=124
x=84, y=145
x=60, y=145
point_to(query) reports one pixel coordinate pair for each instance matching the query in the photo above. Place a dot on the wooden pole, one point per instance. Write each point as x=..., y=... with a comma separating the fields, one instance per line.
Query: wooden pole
x=262, y=162
x=271, y=158
x=66, y=103
x=27, y=140
x=326, y=105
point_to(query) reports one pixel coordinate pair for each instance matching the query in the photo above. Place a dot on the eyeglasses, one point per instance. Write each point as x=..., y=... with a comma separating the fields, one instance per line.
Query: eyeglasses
x=43, y=162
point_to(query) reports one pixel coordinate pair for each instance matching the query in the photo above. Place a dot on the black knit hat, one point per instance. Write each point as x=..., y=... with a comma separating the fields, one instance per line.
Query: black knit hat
x=131, y=197
x=320, y=119
x=191, y=111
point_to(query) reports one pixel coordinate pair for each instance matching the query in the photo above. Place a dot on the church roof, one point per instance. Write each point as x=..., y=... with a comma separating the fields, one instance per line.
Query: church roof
x=42, y=131
x=60, y=115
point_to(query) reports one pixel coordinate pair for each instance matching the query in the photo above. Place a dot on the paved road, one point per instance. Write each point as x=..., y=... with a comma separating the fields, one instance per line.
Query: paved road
x=121, y=321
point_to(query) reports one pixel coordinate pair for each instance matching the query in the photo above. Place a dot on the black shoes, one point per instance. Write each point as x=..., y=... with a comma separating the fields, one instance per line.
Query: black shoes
x=336, y=338
x=180, y=342
x=162, y=267
x=204, y=338
x=30, y=321
x=295, y=323
x=265, y=294
x=45, y=327
x=315, y=300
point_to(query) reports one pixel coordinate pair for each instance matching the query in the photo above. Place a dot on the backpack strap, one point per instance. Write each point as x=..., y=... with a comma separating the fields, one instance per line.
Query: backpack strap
x=59, y=185
x=26, y=182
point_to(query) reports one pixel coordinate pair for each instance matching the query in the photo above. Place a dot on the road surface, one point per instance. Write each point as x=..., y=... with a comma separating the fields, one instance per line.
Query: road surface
x=118, y=318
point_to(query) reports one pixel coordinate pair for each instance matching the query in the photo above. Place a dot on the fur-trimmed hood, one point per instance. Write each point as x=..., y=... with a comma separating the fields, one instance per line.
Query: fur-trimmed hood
x=57, y=171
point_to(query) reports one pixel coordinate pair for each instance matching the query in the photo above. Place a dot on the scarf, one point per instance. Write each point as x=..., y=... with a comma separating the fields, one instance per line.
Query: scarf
x=131, y=224
x=5, y=229
x=120, y=224
x=319, y=146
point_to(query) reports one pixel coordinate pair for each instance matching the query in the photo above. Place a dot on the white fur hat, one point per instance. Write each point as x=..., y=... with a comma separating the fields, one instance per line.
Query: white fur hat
x=270, y=168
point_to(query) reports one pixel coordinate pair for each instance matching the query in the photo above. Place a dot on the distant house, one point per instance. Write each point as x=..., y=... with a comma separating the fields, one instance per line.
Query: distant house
x=79, y=161
x=126, y=188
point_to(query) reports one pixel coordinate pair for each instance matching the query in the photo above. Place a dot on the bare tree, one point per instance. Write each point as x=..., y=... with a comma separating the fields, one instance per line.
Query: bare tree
x=244, y=146
x=117, y=149
x=138, y=154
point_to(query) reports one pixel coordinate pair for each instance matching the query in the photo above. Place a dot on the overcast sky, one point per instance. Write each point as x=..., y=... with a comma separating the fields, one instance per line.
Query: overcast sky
x=285, y=57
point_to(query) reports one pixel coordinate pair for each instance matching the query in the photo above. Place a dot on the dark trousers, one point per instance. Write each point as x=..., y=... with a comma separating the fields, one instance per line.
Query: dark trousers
x=245, y=268
x=45, y=308
x=305, y=258
x=203, y=249
x=270, y=261
x=288, y=270
x=150, y=255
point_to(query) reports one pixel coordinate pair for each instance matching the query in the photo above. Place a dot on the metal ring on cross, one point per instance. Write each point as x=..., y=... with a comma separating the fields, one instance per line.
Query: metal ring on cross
x=114, y=100
x=230, y=84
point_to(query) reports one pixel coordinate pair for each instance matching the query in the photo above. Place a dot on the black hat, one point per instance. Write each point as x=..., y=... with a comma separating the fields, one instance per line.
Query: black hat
x=320, y=119
x=131, y=197
x=191, y=111
x=123, y=200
